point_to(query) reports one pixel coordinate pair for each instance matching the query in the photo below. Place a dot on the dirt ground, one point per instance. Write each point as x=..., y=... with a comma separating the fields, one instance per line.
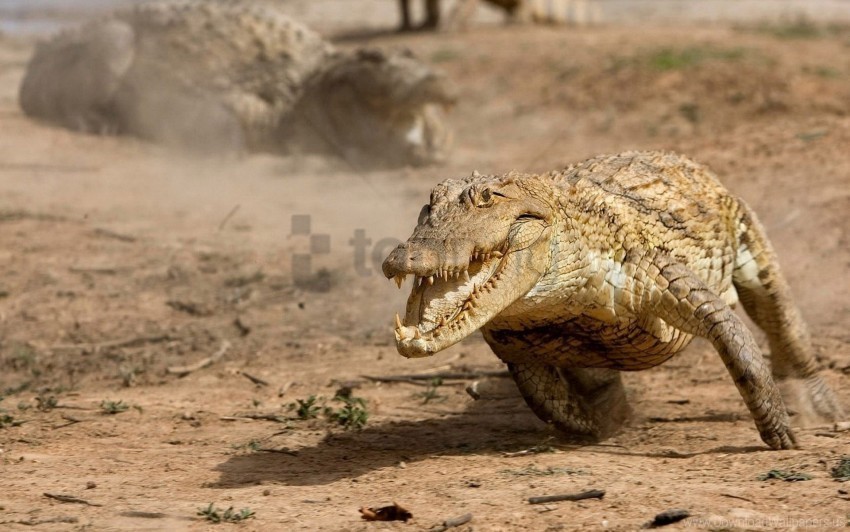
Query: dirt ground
x=120, y=260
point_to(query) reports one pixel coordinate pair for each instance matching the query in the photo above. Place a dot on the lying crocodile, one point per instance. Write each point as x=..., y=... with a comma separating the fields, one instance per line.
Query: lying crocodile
x=236, y=75
x=611, y=265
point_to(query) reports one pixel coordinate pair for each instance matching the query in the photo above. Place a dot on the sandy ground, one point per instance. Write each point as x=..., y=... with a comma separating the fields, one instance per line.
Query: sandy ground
x=119, y=260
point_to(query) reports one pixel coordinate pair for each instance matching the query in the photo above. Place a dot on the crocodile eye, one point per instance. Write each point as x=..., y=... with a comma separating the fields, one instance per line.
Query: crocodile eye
x=480, y=197
x=423, y=214
x=485, y=196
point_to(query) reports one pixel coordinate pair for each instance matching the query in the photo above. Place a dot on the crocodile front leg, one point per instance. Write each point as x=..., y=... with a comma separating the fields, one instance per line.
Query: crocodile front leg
x=588, y=404
x=682, y=300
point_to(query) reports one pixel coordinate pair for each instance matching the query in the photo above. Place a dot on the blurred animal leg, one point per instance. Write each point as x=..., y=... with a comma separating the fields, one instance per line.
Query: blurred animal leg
x=766, y=297
x=589, y=404
x=404, y=8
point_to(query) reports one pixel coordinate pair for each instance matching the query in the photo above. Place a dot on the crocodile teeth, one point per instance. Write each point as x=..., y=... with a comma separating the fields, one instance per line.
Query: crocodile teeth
x=398, y=324
x=399, y=279
x=465, y=275
x=497, y=254
x=430, y=279
x=408, y=333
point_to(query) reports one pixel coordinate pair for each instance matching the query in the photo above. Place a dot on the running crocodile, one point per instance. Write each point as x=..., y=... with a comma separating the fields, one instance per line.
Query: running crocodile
x=611, y=265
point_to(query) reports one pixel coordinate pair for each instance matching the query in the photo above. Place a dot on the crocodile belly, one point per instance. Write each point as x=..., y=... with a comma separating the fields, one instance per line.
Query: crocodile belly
x=588, y=343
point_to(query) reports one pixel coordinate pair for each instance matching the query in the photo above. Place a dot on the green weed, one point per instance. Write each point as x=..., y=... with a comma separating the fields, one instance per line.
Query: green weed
x=113, y=407
x=431, y=394
x=679, y=59
x=217, y=515
x=841, y=472
x=788, y=476
x=352, y=414
x=306, y=408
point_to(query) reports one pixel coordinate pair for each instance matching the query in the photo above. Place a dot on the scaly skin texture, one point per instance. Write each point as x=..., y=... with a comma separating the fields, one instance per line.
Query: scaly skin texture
x=229, y=76
x=611, y=265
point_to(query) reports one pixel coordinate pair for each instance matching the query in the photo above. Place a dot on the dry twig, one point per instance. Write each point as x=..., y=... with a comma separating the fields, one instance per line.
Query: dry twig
x=127, y=342
x=69, y=498
x=451, y=523
x=99, y=231
x=256, y=380
x=279, y=451
x=36, y=522
x=592, y=494
x=228, y=217
x=70, y=421
x=261, y=417
x=201, y=364
x=444, y=375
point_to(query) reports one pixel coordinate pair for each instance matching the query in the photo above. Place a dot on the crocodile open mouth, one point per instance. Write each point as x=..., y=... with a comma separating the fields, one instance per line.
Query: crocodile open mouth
x=458, y=286
x=446, y=303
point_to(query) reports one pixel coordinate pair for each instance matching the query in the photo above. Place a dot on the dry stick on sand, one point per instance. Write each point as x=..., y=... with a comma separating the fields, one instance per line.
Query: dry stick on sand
x=256, y=380
x=70, y=421
x=99, y=231
x=201, y=364
x=69, y=498
x=228, y=217
x=136, y=340
x=592, y=494
x=36, y=522
x=106, y=270
x=260, y=417
x=279, y=451
x=446, y=375
x=451, y=523
x=154, y=515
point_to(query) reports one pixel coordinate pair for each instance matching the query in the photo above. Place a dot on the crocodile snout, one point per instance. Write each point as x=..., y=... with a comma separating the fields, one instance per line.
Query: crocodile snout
x=410, y=259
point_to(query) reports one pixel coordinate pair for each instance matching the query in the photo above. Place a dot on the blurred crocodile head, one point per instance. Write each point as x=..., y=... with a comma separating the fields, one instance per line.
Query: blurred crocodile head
x=379, y=108
x=481, y=245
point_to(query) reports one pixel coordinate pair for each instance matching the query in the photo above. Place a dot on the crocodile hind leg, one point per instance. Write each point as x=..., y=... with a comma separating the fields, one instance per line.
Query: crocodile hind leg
x=588, y=404
x=766, y=297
